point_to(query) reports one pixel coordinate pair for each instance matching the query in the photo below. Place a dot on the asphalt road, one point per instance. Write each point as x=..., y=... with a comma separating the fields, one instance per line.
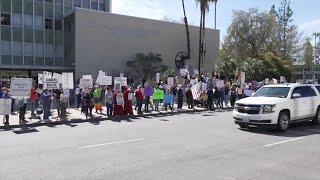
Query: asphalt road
x=204, y=145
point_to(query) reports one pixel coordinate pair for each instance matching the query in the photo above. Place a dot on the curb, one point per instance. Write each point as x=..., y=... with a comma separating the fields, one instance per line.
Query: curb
x=119, y=118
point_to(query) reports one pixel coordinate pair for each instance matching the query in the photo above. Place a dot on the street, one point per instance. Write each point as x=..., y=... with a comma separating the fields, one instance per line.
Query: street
x=199, y=145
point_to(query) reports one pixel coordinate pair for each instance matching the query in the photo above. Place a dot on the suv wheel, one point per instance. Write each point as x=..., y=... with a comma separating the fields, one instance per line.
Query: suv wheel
x=283, y=121
x=316, y=119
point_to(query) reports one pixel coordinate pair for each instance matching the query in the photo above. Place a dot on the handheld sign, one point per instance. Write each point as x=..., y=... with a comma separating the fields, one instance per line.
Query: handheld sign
x=120, y=99
x=51, y=83
x=86, y=83
x=67, y=80
x=158, y=94
x=170, y=81
x=106, y=81
x=20, y=87
x=5, y=106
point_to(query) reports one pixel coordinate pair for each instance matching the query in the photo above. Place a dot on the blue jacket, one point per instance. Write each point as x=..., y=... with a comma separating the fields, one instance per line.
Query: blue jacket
x=46, y=98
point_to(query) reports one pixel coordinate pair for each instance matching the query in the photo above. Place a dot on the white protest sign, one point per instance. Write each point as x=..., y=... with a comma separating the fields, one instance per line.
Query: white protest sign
x=282, y=79
x=121, y=80
x=47, y=74
x=67, y=80
x=57, y=76
x=158, y=77
x=106, y=81
x=266, y=81
x=5, y=106
x=86, y=77
x=193, y=82
x=120, y=99
x=170, y=81
x=100, y=76
x=196, y=72
x=243, y=76
x=204, y=86
x=220, y=83
x=51, y=83
x=86, y=83
x=20, y=87
x=40, y=78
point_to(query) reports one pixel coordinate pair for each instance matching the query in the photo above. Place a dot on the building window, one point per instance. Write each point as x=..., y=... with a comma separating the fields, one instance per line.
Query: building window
x=58, y=24
x=94, y=4
x=28, y=20
x=16, y=20
x=5, y=19
x=77, y=3
x=86, y=4
x=102, y=5
x=48, y=23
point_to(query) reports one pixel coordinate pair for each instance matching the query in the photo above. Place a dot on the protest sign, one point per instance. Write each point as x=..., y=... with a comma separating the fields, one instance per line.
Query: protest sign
x=20, y=87
x=106, y=81
x=86, y=83
x=196, y=91
x=168, y=99
x=120, y=99
x=158, y=77
x=266, y=81
x=148, y=91
x=47, y=74
x=86, y=77
x=51, y=83
x=100, y=76
x=243, y=76
x=40, y=78
x=282, y=79
x=220, y=83
x=204, y=86
x=193, y=82
x=170, y=81
x=5, y=106
x=67, y=80
x=57, y=76
x=121, y=80
x=158, y=94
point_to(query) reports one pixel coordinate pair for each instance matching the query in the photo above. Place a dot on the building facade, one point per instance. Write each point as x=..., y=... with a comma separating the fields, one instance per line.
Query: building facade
x=33, y=37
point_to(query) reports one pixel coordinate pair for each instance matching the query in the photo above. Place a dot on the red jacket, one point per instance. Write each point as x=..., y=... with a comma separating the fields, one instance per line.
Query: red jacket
x=139, y=95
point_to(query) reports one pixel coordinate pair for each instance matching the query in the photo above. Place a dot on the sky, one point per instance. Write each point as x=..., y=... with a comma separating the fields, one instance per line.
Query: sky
x=306, y=12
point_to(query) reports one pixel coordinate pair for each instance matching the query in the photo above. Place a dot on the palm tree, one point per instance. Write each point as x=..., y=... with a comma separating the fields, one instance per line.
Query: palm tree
x=204, y=7
x=187, y=30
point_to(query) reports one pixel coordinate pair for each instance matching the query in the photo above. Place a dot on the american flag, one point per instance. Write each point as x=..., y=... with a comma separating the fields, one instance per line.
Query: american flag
x=196, y=91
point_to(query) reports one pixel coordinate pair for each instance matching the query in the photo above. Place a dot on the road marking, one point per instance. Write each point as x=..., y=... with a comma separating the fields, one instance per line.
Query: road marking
x=105, y=144
x=282, y=142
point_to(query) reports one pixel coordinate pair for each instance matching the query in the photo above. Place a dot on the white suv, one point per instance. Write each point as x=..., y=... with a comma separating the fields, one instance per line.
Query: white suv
x=279, y=105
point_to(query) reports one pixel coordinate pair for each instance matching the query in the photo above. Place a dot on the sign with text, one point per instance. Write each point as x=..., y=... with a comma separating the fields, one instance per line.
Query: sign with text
x=170, y=81
x=121, y=80
x=20, y=87
x=100, y=76
x=5, y=106
x=40, y=78
x=158, y=77
x=47, y=74
x=120, y=99
x=106, y=81
x=86, y=77
x=51, y=83
x=86, y=83
x=67, y=80
x=58, y=76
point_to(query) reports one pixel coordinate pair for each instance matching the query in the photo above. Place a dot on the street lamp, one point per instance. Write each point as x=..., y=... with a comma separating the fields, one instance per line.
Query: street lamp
x=316, y=34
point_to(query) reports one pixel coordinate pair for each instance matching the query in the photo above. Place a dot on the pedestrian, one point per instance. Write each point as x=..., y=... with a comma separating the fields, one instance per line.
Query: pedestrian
x=180, y=96
x=210, y=99
x=87, y=104
x=217, y=97
x=118, y=108
x=109, y=101
x=6, y=95
x=78, y=95
x=22, y=107
x=56, y=100
x=33, y=101
x=97, y=93
x=239, y=91
x=139, y=97
x=146, y=102
x=226, y=95
x=46, y=100
x=168, y=99
x=233, y=94
x=189, y=98
x=128, y=101
x=64, y=99
x=156, y=100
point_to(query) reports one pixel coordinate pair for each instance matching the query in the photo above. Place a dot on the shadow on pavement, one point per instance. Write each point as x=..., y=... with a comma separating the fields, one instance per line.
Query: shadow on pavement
x=295, y=130
x=25, y=131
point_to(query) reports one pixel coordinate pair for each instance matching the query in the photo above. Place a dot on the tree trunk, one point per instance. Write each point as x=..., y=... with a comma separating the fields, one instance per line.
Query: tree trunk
x=200, y=43
x=187, y=30
x=203, y=40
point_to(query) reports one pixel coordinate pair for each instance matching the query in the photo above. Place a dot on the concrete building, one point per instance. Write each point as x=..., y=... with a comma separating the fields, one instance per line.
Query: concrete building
x=84, y=37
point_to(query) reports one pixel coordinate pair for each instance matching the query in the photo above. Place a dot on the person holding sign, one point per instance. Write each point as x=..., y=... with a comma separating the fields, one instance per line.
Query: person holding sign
x=118, y=102
x=33, y=100
x=168, y=100
x=5, y=95
x=139, y=97
x=97, y=99
x=46, y=100
x=128, y=101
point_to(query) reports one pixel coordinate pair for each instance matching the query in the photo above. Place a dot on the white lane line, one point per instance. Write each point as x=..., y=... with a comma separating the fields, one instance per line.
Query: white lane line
x=282, y=142
x=110, y=143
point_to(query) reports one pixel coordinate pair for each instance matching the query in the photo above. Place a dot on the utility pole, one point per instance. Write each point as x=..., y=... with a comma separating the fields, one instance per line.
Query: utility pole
x=315, y=52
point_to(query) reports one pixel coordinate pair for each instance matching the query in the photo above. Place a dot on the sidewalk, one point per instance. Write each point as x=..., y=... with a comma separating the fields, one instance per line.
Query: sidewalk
x=74, y=116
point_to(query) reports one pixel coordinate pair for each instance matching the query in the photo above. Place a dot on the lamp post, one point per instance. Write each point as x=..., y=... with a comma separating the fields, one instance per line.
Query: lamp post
x=316, y=34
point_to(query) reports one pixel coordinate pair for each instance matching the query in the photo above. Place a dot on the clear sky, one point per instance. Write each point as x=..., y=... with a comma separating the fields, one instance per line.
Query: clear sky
x=306, y=12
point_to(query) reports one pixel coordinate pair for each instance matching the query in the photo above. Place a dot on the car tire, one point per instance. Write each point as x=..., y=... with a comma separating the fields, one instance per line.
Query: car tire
x=283, y=121
x=316, y=119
